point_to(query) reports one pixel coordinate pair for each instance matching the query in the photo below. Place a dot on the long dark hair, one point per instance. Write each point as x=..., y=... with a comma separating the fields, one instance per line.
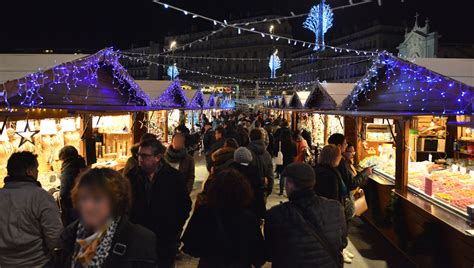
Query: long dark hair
x=229, y=190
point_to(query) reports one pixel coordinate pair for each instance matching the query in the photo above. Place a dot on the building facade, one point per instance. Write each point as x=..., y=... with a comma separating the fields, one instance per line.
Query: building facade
x=141, y=70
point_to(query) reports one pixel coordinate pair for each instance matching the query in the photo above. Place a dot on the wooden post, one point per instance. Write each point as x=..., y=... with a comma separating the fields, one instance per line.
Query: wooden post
x=326, y=130
x=89, y=152
x=166, y=126
x=401, y=160
x=138, y=131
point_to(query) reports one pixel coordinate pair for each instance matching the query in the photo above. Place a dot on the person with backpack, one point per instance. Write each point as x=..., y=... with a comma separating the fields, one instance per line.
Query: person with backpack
x=308, y=230
x=223, y=232
x=261, y=159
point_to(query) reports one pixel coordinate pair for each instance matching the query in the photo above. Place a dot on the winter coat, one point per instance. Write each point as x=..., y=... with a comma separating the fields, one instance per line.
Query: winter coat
x=352, y=182
x=208, y=140
x=132, y=246
x=263, y=161
x=328, y=183
x=301, y=146
x=30, y=223
x=250, y=172
x=307, y=136
x=163, y=209
x=224, y=238
x=288, y=241
x=288, y=147
x=222, y=158
x=216, y=145
x=70, y=169
x=186, y=165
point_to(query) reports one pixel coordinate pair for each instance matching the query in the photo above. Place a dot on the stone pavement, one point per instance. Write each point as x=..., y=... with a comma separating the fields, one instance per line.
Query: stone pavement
x=371, y=250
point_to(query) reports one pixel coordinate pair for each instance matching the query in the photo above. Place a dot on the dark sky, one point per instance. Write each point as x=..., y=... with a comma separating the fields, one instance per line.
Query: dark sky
x=94, y=24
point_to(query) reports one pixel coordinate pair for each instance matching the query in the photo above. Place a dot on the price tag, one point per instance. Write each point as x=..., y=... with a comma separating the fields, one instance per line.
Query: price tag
x=463, y=170
x=428, y=186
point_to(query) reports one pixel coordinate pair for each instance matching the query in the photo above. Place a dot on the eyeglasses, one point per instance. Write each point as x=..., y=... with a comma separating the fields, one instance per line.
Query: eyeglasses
x=142, y=155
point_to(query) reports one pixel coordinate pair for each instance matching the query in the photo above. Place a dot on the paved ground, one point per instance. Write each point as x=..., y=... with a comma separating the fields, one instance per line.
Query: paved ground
x=368, y=246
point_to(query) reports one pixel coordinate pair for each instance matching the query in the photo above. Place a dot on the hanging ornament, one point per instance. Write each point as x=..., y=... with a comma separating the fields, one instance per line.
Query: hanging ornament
x=173, y=71
x=319, y=20
x=27, y=134
x=274, y=64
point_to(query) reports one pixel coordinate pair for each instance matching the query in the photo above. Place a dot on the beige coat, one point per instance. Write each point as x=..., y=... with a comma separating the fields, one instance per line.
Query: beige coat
x=30, y=223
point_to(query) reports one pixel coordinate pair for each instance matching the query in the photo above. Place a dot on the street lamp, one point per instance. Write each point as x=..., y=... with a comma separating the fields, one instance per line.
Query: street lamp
x=272, y=27
x=173, y=45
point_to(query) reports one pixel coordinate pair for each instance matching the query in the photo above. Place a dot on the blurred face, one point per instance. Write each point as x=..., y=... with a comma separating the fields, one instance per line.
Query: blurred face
x=337, y=160
x=349, y=153
x=94, y=207
x=147, y=160
x=178, y=142
x=218, y=135
x=33, y=172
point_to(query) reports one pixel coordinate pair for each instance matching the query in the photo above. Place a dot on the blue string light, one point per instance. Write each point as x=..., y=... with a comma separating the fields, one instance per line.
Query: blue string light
x=319, y=20
x=198, y=101
x=274, y=64
x=172, y=71
x=173, y=97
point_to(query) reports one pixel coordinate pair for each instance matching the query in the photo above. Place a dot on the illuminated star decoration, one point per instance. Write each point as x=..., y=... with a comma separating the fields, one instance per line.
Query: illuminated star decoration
x=172, y=71
x=27, y=135
x=274, y=64
x=319, y=20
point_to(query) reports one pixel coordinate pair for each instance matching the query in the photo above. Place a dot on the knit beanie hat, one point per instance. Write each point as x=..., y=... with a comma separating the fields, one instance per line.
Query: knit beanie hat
x=301, y=174
x=243, y=156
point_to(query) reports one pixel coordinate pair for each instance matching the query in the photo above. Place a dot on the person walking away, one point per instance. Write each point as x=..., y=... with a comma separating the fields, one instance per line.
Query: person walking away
x=271, y=140
x=261, y=159
x=132, y=161
x=223, y=157
x=231, y=131
x=72, y=165
x=178, y=158
x=301, y=147
x=104, y=237
x=216, y=145
x=223, y=233
x=160, y=200
x=243, y=134
x=30, y=223
x=265, y=137
x=332, y=186
x=243, y=163
x=285, y=144
x=308, y=230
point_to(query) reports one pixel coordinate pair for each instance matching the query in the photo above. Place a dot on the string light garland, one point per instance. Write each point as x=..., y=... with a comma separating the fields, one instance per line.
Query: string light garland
x=172, y=71
x=211, y=103
x=198, y=101
x=416, y=83
x=276, y=37
x=173, y=97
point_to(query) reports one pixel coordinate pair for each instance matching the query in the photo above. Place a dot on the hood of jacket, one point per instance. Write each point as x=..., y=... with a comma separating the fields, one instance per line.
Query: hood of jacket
x=223, y=155
x=76, y=163
x=257, y=147
x=175, y=156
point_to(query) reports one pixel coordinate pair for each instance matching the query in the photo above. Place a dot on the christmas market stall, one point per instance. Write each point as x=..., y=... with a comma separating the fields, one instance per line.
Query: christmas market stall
x=414, y=127
x=87, y=103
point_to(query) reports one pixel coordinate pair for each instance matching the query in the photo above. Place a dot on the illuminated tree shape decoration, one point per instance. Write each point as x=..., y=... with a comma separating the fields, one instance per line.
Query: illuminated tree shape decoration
x=173, y=97
x=172, y=71
x=198, y=101
x=228, y=104
x=319, y=20
x=274, y=64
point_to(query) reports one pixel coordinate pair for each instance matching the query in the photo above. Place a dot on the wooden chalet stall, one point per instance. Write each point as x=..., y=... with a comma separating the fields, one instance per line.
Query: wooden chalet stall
x=46, y=110
x=410, y=122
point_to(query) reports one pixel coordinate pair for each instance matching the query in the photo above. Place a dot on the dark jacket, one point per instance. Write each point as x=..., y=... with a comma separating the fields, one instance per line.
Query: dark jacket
x=288, y=241
x=263, y=161
x=224, y=238
x=30, y=223
x=288, y=147
x=163, y=209
x=186, y=165
x=214, y=147
x=307, y=136
x=222, y=158
x=257, y=206
x=70, y=168
x=328, y=183
x=132, y=246
x=208, y=140
x=352, y=182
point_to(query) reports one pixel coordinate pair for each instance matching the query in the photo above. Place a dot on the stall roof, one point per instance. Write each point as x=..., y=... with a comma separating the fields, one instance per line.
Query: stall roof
x=458, y=69
x=95, y=82
x=15, y=66
x=393, y=85
x=338, y=91
x=154, y=88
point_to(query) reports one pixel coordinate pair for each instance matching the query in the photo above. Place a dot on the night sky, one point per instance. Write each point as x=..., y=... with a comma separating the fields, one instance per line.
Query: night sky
x=93, y=24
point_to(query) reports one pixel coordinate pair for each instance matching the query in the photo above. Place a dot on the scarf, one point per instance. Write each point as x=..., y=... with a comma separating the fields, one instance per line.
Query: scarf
x=91, y=250
x=173, y=156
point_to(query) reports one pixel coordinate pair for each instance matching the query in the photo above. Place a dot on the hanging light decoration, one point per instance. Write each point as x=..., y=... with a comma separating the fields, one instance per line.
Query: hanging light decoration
x=172, y=71
x=274, y=64
x=319, y=20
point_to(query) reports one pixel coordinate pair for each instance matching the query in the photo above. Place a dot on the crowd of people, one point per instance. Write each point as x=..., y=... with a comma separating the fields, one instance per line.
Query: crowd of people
x=137, y=217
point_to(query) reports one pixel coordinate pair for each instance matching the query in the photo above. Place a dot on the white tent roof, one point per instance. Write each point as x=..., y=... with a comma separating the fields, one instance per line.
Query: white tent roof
x=458, y=69
x=338, y=91
x=14, y=66
x=154, y=88
x=190, y=94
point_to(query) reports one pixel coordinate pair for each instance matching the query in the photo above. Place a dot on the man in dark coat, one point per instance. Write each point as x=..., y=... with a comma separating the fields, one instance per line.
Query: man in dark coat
x=261, y=158
x=216, y=145
x=161, y=201
x=292, y=228
x=72, y=165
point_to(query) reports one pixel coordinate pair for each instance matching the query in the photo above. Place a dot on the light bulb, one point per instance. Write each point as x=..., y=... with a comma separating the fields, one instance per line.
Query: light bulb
x=468, y=131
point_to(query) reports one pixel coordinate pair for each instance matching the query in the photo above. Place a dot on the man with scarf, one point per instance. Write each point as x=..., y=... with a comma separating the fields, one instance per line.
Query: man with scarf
x=178, y=158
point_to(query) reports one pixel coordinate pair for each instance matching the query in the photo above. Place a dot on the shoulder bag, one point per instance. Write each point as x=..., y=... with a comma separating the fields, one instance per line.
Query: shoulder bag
x=279, y=158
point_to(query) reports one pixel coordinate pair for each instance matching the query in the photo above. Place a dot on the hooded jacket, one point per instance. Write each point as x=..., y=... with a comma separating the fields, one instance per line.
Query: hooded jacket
x=186, y=165
x=70, y=169
x=263, y=161
x=222, y=158
x=30, y=223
